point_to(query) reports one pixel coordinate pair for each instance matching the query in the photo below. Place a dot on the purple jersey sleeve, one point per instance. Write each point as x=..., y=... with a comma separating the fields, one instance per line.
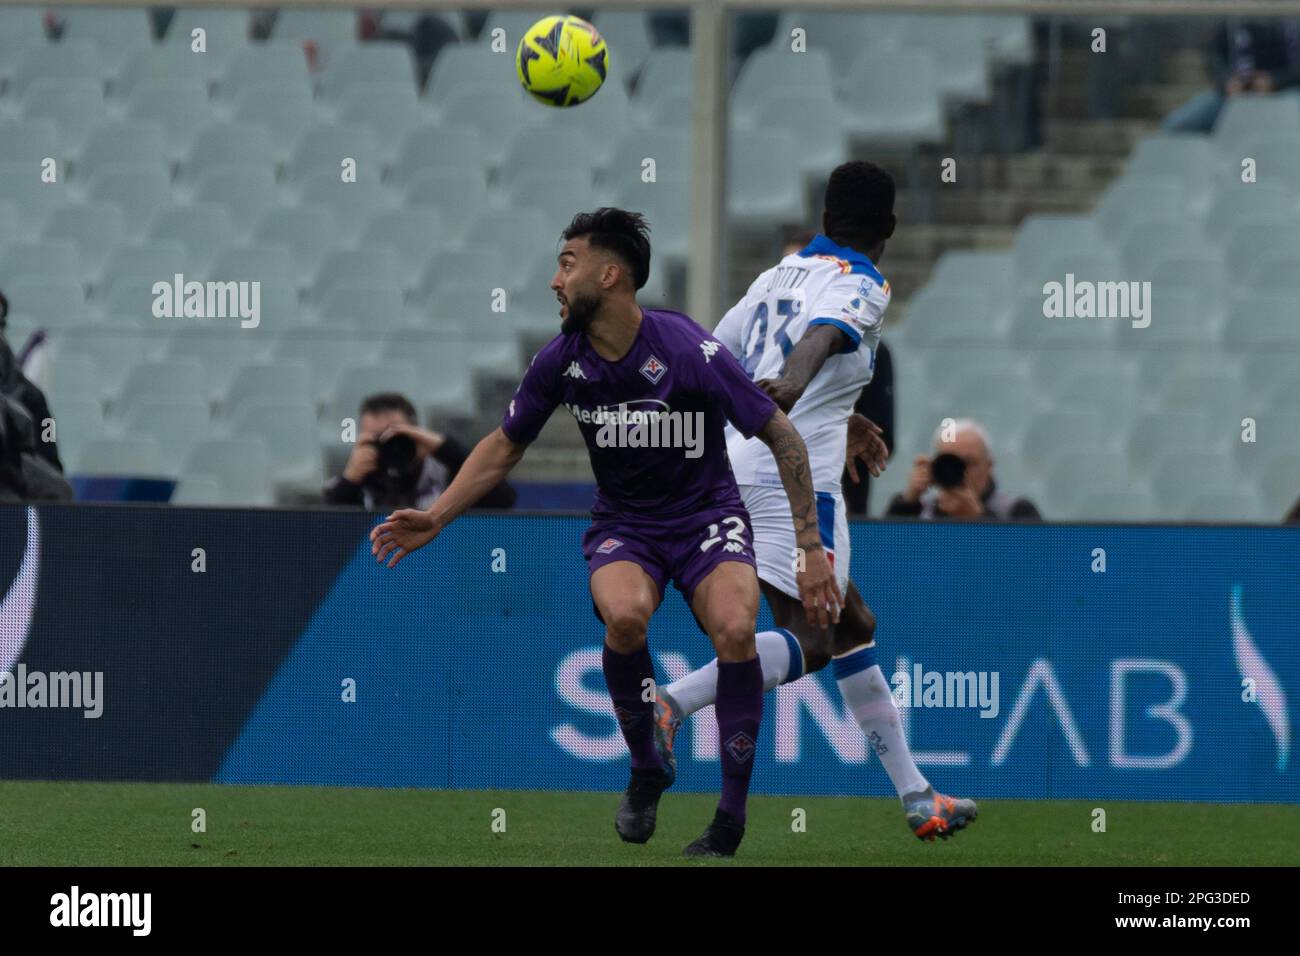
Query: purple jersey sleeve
x=535, y=398
x=724, y=382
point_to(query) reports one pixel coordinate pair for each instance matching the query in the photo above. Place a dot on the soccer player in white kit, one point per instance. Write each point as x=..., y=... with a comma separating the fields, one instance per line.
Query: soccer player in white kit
x=807, y=332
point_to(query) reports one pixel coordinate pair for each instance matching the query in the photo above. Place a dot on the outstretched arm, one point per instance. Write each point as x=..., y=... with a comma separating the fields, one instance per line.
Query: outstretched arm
x=486, y=467
x=817, y=586
x=408, y=530
x=817, y=345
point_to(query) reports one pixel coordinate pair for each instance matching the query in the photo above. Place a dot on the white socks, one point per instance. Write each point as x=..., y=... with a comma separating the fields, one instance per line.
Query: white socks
x=862, y=685
x=865, y=690
x=776, y=650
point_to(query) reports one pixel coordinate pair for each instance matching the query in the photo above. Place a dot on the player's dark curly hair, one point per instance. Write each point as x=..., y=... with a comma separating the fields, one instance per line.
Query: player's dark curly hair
x=626, y=234
x=859, y=206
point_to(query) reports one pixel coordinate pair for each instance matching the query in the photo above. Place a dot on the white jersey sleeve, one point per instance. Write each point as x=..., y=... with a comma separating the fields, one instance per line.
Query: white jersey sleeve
x=728, y=330
x=855, y=305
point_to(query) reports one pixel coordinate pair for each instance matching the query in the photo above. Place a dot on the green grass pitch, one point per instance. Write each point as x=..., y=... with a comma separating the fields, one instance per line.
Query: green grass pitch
x=128, y=824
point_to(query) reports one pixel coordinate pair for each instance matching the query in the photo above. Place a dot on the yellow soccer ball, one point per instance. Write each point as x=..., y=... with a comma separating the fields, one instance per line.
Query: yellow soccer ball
x=562, y=60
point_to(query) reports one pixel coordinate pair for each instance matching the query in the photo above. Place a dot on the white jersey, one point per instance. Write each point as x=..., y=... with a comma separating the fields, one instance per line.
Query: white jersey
x=822, y=284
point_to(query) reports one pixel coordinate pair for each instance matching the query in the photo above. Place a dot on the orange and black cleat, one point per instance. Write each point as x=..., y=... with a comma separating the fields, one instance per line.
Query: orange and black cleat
x=666, y=724
x=933, y=814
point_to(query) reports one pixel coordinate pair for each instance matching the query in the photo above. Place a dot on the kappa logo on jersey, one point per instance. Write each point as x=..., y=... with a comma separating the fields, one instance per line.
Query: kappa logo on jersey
x=574, y=371
x=709, y=349
x=608, y=545
x=741, y=747
x=653, y=369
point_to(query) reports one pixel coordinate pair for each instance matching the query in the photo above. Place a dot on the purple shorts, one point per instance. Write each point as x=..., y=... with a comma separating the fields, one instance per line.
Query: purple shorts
x=682, y=550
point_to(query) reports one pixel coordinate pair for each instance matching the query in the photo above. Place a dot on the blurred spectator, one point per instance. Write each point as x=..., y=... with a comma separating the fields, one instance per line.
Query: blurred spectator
x=1245, y=56
x=958, y=482
x=796, y=237
x=876, y=401
x=397, y=464
x=476, y=19
x=750, y=31
x=426, y=34
x=29, y=467
x=14, y=384
x=1294, y=516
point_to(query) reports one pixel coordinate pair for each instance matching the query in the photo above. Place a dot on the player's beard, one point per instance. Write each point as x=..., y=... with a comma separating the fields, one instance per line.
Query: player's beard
x=582, y=310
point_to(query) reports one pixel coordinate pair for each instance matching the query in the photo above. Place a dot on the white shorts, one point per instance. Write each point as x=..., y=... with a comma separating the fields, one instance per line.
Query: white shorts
x=773, y=527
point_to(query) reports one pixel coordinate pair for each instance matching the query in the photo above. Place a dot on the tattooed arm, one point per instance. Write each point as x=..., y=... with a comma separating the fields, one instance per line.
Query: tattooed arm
x=792, y=462
x=817, y=587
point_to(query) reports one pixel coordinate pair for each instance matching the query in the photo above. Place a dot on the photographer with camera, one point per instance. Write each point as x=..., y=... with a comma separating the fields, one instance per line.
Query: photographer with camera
x=397, y=464
x=30, y=469
x=958, y=482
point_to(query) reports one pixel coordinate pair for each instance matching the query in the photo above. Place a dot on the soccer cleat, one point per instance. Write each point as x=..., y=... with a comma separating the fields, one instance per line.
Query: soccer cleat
x=666, y=724
x=635, y=820
x=933, y=815
x=720, y=839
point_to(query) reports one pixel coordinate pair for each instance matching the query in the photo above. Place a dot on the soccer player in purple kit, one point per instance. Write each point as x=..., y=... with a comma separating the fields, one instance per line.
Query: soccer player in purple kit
x=651, y=392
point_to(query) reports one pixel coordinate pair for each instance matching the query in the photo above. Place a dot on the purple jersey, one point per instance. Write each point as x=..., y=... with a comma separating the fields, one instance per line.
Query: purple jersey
x=653, y=421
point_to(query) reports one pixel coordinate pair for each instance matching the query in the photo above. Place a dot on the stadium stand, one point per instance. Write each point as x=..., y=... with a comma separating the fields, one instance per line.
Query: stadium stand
x=228, y=167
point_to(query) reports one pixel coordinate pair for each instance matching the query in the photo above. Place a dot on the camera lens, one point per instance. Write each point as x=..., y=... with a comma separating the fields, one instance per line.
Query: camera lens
x=948, y=470
x=396, y=455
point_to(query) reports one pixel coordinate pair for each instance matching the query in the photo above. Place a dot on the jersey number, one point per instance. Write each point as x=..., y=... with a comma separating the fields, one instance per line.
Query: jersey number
x=735, y=535
x=755, y=344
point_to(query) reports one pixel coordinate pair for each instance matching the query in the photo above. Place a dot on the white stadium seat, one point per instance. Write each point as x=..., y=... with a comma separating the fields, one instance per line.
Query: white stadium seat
x=241, y=467
x=75, y=105
x=289, y=432
x=247, y=191
x=371, y=62
x=227, y=144
x=201, y=228
x=121, y=456
x=140, y=190
x=308, y=232
x=285, y=112
x=281, y=64
x=175, y=426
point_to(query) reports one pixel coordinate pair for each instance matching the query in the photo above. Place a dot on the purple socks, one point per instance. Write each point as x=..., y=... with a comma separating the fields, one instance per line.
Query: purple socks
x=625, y=675
x=740, y=712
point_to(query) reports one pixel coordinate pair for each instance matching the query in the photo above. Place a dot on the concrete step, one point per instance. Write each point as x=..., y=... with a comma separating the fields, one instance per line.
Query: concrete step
x=1049, y=170
x=1006, y=207
x=1115, y=137
x=1188, y=67
x=1149, y=102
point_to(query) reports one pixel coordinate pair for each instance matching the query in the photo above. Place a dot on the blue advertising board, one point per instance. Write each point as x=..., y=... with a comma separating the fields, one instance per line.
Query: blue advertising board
x=1069, y=661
